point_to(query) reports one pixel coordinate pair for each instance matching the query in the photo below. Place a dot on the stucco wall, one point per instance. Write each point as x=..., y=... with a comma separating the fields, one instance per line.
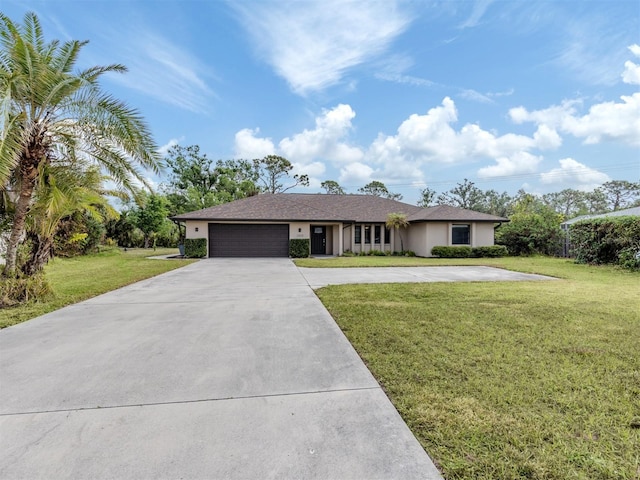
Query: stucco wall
x=484, y=235
x=417, y=239
x=202, y=226
x=304, y=227
x=438, y=233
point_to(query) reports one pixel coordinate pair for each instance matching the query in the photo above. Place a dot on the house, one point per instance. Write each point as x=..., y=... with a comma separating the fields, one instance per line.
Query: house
x=262, y=225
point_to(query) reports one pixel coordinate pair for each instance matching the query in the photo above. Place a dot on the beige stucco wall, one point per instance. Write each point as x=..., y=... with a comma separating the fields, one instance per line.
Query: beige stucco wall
x=484, y=235
x=202, y=226
x=438, y=233
x=304, y=227
x=417, y=235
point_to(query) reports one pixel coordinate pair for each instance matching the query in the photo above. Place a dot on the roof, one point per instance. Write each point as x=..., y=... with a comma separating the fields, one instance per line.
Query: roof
x=635, y=211
x=319, y=207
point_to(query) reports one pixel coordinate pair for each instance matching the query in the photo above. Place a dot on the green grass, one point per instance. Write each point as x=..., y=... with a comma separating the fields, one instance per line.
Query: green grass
x=508, y=380
x=79, y=278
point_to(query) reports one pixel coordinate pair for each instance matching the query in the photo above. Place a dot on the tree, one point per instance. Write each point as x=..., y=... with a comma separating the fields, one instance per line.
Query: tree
x=398, y=221
x=595, y=201
x=150, y=216
x=463, y=195
x=568, y=202
x=272, y=170
x=533, y=228
x=196, y=182
x=621, y=193
x=332, y=187
x=49, y=111
x=62, y=190
x=427, y=197
x=379, y=189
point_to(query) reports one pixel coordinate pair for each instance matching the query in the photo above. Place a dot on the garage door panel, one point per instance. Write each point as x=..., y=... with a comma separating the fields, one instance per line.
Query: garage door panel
x=247, y=240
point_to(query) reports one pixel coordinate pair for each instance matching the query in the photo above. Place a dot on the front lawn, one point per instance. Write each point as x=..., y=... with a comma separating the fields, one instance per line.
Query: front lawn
x=76, y=279
x=507, y=380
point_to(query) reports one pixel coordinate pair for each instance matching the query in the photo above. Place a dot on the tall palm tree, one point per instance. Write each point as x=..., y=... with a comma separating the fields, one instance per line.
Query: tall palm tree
x=48, y=110
x=398, y=221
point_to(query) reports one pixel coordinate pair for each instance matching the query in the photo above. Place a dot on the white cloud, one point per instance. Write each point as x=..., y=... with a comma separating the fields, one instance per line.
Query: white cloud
x=517, y=164
x=355, y=174
x=248, y=146
x=325, y=141
x=164, y=71
x=164, y=149
x=605, y=121
x=572, y=172
x=631, y=72
x=479, y=9
x=430, y=138
x=313, y=44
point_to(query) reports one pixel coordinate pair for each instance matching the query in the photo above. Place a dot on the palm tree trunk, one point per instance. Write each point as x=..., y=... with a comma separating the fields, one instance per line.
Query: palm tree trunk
x=39, y=257
x=29, y=161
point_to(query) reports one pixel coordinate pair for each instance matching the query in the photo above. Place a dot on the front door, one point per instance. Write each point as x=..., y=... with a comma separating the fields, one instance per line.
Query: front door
x=318, y=240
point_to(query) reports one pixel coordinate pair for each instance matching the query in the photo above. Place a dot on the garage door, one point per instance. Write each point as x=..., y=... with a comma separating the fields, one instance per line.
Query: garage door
x=233, y=240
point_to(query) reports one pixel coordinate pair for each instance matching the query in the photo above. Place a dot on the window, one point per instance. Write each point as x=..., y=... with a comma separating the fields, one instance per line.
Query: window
x=461, y=235
x=357, y=234
x=367, y=234
x=376, y=234
x=387, y=235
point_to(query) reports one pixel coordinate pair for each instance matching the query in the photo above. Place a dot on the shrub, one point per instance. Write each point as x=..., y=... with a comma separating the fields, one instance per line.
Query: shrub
x=299, y=248
x=451, y=252
x=16, y=291
x=492, y=251
x=376, y=253
x=348, y=253
x=195, y=247
x=606, y=240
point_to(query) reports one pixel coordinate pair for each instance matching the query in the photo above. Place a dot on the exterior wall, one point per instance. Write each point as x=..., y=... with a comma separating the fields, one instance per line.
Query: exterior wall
x=347, y=235
x=438, y=233
x=484, y=235
x=417, y=240
x=201, y=226
x=304, y=227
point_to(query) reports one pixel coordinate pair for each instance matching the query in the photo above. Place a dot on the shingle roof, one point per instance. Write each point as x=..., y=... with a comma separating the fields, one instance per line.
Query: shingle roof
x=635, y=211
x=325, y=207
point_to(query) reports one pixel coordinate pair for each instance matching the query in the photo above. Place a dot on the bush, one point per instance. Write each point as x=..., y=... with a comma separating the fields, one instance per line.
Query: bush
x=299, y=248
x=195, y=247
x=492, y=251
x=377, y=253
x=451, y=252
x=613, y=240
x=16, y=291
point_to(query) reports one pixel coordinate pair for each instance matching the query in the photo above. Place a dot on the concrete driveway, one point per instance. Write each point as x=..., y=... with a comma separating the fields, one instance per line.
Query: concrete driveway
x=321, y=277
x=226, y=369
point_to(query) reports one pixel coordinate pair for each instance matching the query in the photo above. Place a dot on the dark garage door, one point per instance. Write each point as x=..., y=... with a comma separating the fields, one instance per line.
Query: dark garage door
x=235, y=240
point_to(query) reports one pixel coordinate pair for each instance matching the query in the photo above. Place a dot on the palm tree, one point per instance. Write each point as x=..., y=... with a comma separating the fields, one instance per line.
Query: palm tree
x=63, y=190
x=48, y=111
x=397, y=221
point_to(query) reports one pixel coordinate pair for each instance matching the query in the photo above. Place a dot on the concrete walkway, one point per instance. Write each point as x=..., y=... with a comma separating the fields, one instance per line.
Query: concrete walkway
x=224, y=369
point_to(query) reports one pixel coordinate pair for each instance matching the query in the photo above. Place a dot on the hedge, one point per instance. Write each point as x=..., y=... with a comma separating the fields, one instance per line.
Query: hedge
x=195, y=247
x=492, y=251
x=614, y=240
x=466, y=252
x=299, y=248
x=451, y=252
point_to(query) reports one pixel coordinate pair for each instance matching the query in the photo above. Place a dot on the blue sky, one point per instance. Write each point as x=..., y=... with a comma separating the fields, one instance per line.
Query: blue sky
x=509, y=94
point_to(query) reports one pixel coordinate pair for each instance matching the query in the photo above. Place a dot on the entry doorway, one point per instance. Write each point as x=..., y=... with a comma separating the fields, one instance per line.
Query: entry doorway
x=318, y=240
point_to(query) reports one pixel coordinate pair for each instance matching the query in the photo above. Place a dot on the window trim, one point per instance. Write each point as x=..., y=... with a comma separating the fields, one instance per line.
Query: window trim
x=459, y=226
